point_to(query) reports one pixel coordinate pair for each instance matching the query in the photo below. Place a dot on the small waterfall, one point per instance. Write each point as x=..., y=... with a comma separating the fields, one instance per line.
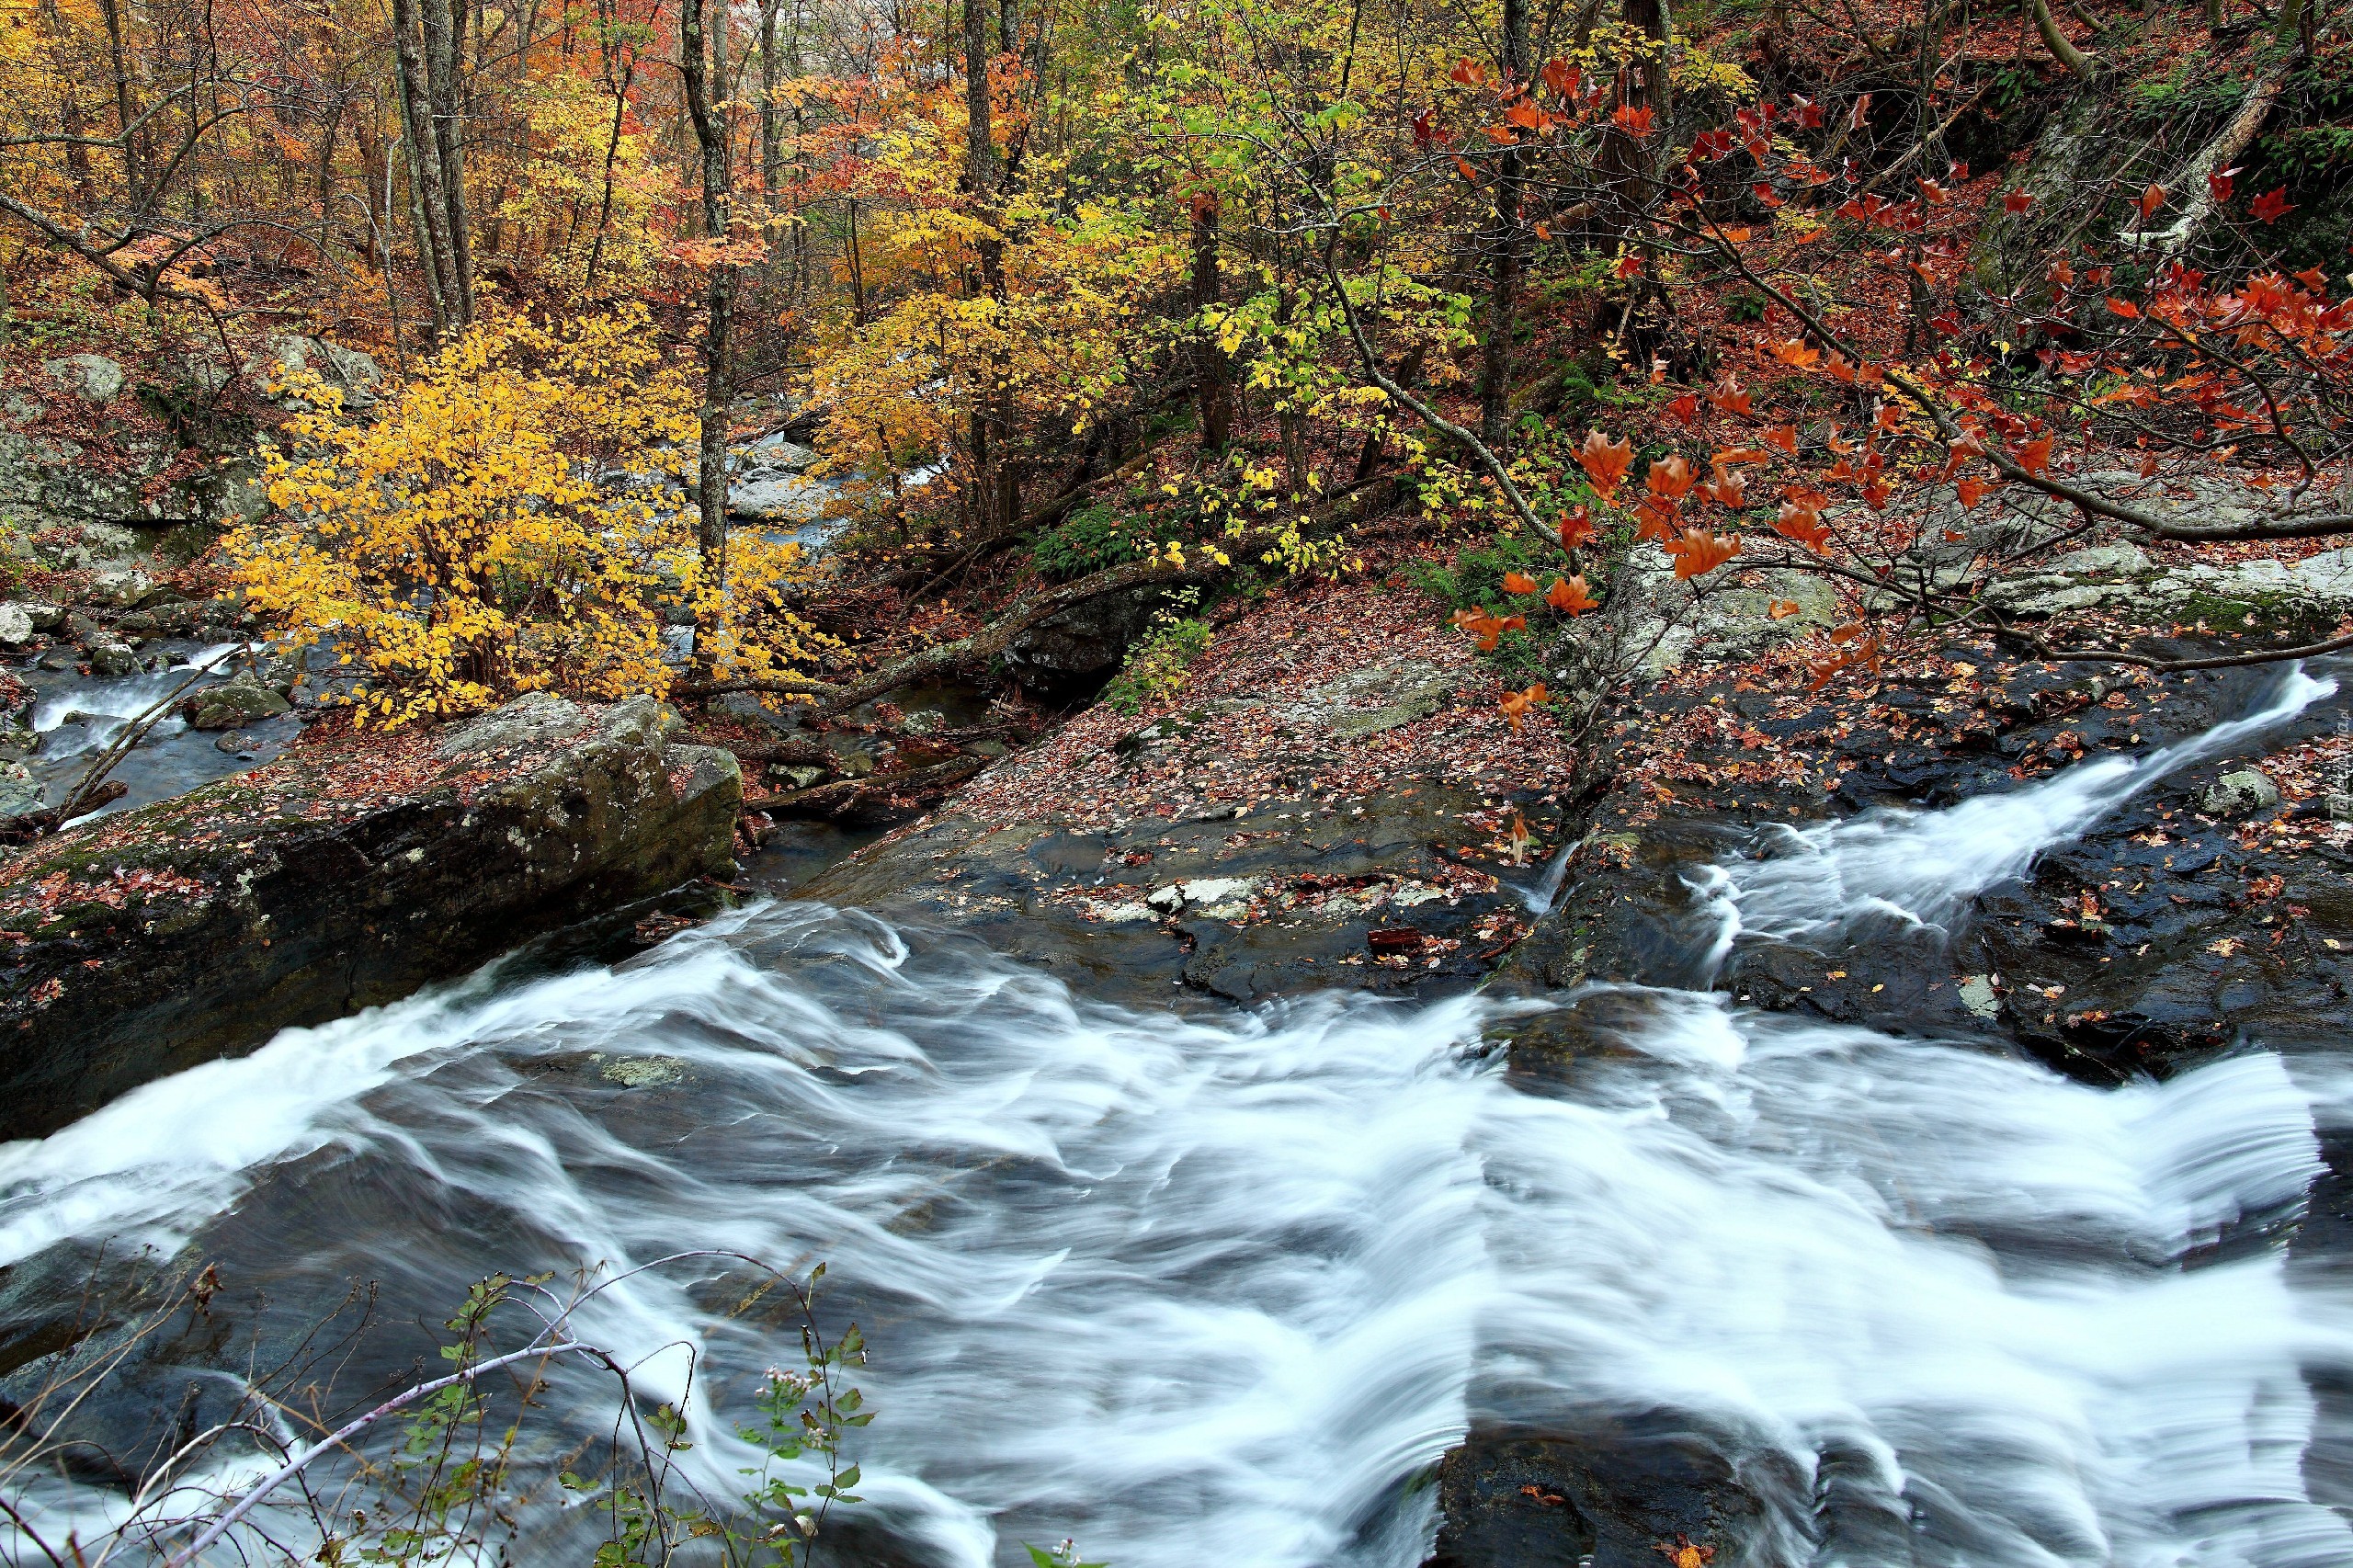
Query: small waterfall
x=1922, y=867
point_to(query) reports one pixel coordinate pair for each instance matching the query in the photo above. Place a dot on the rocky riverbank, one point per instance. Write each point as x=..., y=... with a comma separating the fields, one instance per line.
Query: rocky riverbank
x=338, y=877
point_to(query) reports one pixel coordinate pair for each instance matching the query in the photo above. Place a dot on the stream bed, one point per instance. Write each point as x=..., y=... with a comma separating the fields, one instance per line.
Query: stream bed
x=1217, y=1284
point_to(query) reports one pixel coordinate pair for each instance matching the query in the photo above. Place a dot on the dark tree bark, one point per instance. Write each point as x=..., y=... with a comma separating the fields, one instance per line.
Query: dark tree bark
x=701, y=62
x=1212, y=382
x=429, y=207
x=996, y=493
x=1503, y=296
x=444, y=105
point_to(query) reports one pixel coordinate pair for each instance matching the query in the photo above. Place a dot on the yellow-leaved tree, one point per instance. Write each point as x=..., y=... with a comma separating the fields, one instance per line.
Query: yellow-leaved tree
x=508, y=522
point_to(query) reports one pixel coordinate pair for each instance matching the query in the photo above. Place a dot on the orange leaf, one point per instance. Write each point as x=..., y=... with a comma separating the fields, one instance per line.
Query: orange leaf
x=2035, y=456
x=1569, y=596
x=1799, y=353
x=1518, y=582
x=1781, y=609
x=1671, y=478
x=1516, y=704
x=1660, y=517
x=1701, y=550
x=1972, y=491
x=1784, y=437
x=1847, y=632
x=1729, y=491
x=1605, y=461
x=1576, y=529
x=2124, y=308
x=2151, y=199
x=1803, y=524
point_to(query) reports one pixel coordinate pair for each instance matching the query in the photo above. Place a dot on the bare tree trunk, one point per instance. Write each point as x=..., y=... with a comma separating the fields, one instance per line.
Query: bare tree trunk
x=719, y=292
x=134, y=177
x=444, y=105
x=2062, y=49
x=771, y=143
x=1211, y=382
x=1658, y=25
x=429, y=206
x=1503, y=298
x=994, y=493
x=613, y=152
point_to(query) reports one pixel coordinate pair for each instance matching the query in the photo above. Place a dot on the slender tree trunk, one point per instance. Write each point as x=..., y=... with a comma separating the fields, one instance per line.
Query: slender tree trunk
x=1211, y=383
x=444, y=103
x=719, y=292
x=994, y=493
x=1503, y=298
x=771, y=138
x=134, y=176
x=613, y=152
x=1658, y=25
x=429, y=206
x=856, y=264
x=325, y=180
x=2056, y=40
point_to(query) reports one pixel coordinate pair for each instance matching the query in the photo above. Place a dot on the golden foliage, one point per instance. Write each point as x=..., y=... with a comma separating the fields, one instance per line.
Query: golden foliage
x=474, y=541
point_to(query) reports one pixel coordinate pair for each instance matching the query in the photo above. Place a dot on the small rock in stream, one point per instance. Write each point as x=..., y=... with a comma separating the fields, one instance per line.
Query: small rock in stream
x=240, y=701
x=2238, y=794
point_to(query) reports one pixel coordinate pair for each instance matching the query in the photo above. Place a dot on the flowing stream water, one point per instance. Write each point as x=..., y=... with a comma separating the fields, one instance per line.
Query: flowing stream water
x=1221, y=1287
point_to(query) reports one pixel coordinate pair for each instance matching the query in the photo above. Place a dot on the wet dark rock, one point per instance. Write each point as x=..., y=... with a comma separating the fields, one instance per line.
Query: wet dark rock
x=1075, y=651
x=181, y=618
x=328, y=881
x=1281, y=900
x=1612, y=1493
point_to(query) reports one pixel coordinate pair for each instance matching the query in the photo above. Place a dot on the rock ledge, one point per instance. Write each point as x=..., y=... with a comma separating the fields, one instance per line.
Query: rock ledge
x=144, y=943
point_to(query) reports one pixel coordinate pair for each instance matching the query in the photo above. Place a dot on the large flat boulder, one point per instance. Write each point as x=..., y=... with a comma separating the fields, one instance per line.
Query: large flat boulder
x=336, y=877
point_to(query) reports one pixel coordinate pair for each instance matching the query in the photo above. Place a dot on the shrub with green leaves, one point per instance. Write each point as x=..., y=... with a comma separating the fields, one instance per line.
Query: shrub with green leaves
x=1091, y=538
x=1156, y=668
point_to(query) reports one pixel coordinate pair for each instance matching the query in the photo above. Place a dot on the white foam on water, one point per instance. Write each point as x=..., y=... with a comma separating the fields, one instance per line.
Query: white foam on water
x=1220, y=1287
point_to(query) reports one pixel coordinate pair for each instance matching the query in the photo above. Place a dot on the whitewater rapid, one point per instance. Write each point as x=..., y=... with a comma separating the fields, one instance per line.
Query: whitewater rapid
x=1225, y=1286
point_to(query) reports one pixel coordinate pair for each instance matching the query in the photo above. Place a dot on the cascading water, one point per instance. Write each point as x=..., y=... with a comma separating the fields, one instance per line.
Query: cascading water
x=1922, y=867
x=1219, y=1288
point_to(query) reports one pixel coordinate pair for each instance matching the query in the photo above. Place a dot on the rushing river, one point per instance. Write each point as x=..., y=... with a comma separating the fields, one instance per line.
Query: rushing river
x=1221, y=1287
